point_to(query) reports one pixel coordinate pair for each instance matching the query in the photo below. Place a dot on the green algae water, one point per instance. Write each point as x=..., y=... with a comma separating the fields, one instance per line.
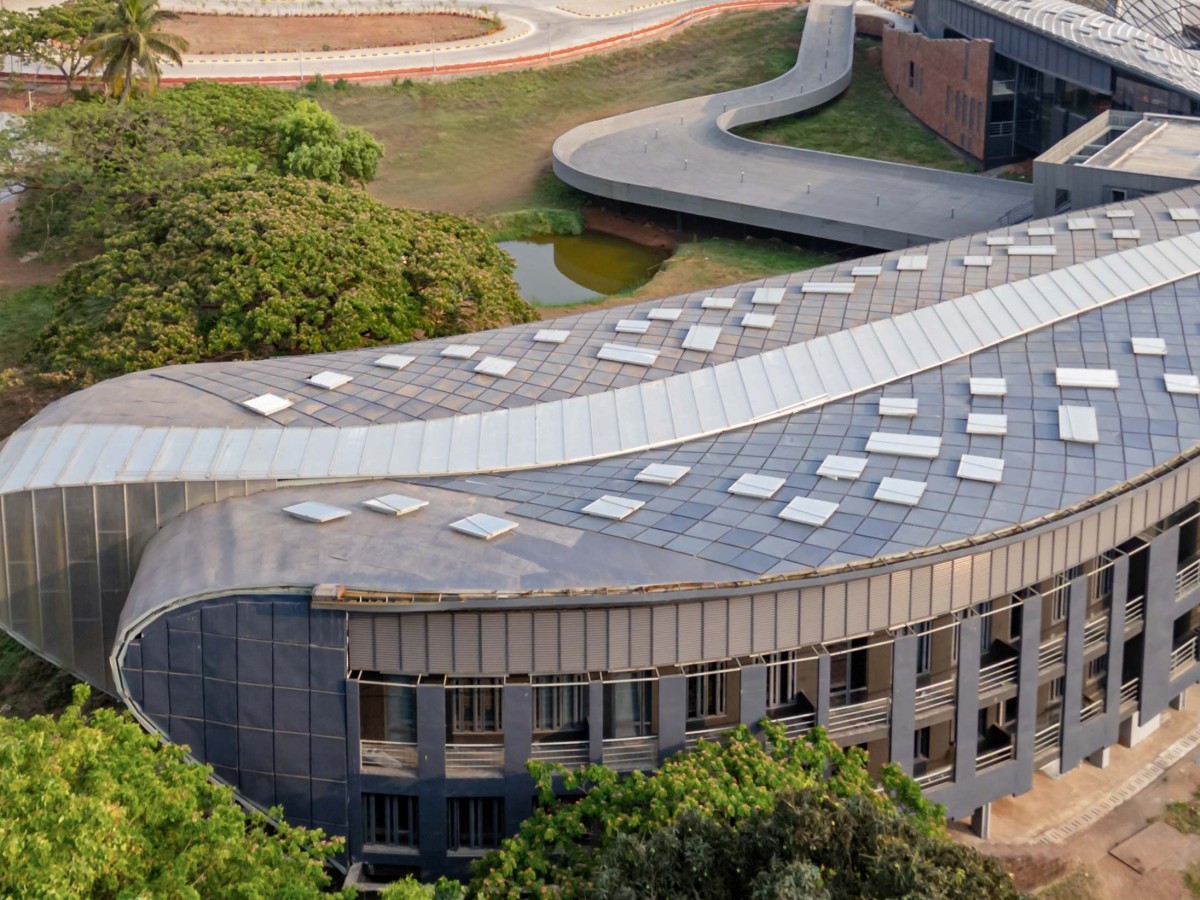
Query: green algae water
x=557, y=269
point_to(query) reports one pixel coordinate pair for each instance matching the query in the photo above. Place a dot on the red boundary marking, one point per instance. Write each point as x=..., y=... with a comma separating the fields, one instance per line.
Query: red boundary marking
x=516, y=62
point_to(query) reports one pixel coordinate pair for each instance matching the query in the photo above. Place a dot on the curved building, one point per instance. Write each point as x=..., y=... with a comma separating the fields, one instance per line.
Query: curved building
x=942, y=501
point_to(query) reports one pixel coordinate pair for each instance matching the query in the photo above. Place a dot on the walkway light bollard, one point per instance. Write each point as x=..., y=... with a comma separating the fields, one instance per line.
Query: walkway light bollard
x=952, y=212
x=685, y=165
x=743, y=177
x=645, y=146
x=876, y=199
x=808, y=188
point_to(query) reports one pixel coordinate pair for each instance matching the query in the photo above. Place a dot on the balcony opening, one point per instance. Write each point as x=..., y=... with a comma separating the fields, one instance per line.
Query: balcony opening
x=560, y=707
x=387, y=720
x=474, y=709
x=389, y=820
x=474, y=823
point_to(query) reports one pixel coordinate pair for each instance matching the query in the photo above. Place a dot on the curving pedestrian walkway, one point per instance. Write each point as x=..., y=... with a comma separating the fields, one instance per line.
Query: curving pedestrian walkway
x=681, y=156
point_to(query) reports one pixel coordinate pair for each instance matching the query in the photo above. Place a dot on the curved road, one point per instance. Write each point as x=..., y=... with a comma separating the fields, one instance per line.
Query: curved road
x=681, y=156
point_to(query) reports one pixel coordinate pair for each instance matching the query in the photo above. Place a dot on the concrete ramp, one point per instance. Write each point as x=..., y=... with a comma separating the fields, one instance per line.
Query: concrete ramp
x=681, y=156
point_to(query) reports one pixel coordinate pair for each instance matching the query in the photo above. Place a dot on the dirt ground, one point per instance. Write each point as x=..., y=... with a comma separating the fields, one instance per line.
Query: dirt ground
x=1081, y=867
x=279, y=34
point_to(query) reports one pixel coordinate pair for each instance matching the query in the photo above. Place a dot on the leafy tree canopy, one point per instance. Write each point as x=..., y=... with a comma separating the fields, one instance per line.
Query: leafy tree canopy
x=695, y=822
x=129, y=41
x=93, y=168
x=96, y=807
x=314, y=144
x=57, y=36
x=246, y=266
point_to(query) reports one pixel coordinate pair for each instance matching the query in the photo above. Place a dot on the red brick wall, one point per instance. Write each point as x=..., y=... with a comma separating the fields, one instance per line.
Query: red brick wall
x=872, y=25
x=944, y=83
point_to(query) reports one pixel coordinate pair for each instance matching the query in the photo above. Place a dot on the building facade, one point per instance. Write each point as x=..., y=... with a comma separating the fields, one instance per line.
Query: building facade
x=942, y=502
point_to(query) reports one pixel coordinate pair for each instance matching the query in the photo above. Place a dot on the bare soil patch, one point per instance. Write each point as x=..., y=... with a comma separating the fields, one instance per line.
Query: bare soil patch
x=281, y=34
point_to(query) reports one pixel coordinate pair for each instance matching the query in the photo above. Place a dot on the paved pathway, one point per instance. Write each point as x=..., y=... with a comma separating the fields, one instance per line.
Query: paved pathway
x=681, y=156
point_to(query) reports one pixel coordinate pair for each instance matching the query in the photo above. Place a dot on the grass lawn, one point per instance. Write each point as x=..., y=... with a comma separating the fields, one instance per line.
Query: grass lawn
x=867, y=120
x=24, y=311
x=482, y=145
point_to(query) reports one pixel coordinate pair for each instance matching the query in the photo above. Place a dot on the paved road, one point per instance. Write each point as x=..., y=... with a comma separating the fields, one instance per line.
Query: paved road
x=681, y=156
x=535, y=32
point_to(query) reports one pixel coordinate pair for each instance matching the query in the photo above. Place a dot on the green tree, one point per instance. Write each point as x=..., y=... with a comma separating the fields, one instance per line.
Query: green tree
x=96, y=807
x=623, y=828
x=411, y=889
x=130, y=39
x=57, y=36
x=256, y=265
x=112, y=162
x=314, y=144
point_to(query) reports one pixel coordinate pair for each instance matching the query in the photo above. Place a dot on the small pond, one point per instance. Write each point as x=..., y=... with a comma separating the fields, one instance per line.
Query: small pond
x=569, y=268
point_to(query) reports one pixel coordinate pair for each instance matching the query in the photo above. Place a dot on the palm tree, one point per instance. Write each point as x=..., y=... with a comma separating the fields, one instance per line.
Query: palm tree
x=128, y=39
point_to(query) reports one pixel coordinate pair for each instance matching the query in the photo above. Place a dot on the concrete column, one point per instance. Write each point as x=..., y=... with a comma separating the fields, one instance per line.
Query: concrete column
x=1073, y=673
x=431, y=730
x=981, y=821
x=752, y=705
x=1116, y=651
x=966, y=714
x=596, y=721
x=354, y=839
x=1099, y=758
x=1157, y=631
x=672, y=714
x=1027, y=690
x=431, y=774
x=822, y=700
x=518, y=727
x=1179, y=701
x=904, y=687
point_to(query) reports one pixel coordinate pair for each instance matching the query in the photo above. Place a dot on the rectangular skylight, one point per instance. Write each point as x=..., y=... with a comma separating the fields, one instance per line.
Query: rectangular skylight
x=633, y=326
x=267, y=404
x=898, y=406
x=662, y=473
x=760, y=486
x=1184, y=214
x=900, y=490
x=1001, y=240
x=551, y=336
x=1148, y=346
x=702, y=337
x=912, y=263
x=1041, y=231
x=312, y=511
x=1038, y=250
x=718, y=302
x=483, y=526
x=395, y=504
x=1078, y=423
x=987, y=423
x=1120, y=213
x=495, y=365
x=919, y=445
x=1087, y=378
x=460, y=351
x=1126, y=234
x=666, y=315
x=1081, y=224
x=808, y=511
x=827, y=287
x=627, y=353
x=765, y=296
x=981, y=468
x=610, y=507
x=989, y=387
x=977, y=261
x=758, y=320
x=866, y=271
x=1181, y=384
x=329, y=380
x=394, y=361
x=839, y=467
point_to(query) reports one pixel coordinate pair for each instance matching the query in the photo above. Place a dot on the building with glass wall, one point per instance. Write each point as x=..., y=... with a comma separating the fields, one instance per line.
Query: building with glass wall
x=941, y=501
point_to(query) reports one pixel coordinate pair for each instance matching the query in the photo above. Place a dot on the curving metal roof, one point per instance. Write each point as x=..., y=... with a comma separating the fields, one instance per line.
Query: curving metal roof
x=1121, y=44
